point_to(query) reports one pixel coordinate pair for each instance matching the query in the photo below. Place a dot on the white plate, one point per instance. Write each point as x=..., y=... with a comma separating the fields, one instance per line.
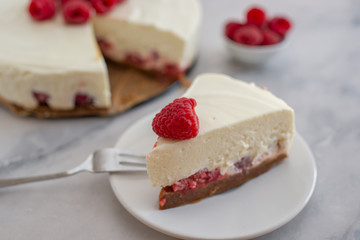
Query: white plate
x=256, y=208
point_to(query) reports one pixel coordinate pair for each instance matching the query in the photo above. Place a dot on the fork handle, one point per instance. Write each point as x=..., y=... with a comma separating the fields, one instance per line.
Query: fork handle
x=16, y=181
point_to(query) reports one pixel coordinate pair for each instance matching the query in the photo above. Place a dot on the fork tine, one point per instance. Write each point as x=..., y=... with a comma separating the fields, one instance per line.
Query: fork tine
x=127, y=157
x=131, y=154
x=130, y=168
x=114, y=160
x=131, y=161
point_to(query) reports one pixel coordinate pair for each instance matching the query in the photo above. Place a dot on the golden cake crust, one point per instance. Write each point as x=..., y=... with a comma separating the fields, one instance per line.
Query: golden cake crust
x=175, y=199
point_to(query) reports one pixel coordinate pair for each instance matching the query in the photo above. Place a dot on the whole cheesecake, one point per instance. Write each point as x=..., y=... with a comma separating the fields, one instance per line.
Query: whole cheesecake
x=160, y=36
x=243, y=131
x=60, y=65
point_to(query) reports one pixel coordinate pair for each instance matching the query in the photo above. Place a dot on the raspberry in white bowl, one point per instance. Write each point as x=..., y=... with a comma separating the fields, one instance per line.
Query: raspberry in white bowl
x=257, y=38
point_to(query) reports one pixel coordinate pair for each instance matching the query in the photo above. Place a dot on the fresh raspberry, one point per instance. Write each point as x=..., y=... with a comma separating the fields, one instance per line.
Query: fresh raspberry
x=249, y=35
x=134, y=59
x=172, y=70
x=230, y=29
x=41, y=97
x=177, y=120
x=270, y=37
x=155, y=55
x=192, y=184
x=256, y=16
x=82, y=99
x=76, y=11
x=198, y=179
x=104, y=45
x=213, y=175
x=162, y=202
x=280, y=25
x=103, y=6
x=179, y=185
x=42, y=9
x=244, y=164
x=63, y=2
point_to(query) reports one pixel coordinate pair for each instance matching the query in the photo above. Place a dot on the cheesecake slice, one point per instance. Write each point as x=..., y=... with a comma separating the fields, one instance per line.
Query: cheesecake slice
x=159, y=36
x=49, y=63
x=244, y=130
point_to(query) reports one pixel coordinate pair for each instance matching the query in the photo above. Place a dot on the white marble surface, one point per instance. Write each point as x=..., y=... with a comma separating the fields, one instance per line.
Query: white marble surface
x=318, y=75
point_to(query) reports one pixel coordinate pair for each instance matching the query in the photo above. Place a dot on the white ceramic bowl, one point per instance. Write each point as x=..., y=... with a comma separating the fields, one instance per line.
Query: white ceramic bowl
x=253, y=54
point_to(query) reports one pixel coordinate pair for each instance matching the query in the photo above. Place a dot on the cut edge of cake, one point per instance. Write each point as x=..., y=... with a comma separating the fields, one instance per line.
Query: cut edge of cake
x=175, y=33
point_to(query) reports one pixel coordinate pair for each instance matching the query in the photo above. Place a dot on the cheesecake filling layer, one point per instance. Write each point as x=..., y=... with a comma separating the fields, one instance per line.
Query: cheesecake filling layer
x=154, y=34
x=240, y=166
x=150, y=59
x=173, y=160
x=58, y=60
x=27, y=87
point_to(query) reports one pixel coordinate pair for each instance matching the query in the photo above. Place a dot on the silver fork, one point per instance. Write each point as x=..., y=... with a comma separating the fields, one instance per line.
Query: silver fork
x=104, y=160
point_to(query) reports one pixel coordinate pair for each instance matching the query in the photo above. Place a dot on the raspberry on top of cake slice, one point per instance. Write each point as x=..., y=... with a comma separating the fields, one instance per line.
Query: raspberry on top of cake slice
x=220, y=134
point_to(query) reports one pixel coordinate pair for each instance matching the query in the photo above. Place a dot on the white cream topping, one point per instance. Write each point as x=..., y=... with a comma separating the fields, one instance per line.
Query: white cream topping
x=168, y=26
x=50, y=56
x=180, y=17
x=223, y=101
x=237, y=120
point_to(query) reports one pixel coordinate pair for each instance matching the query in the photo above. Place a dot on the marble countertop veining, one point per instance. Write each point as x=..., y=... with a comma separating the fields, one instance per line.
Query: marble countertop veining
x=318, y=75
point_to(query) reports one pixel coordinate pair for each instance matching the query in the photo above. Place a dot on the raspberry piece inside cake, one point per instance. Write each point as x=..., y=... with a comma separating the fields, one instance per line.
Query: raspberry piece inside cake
x=208, y=183
x=41, y=97
x=82, y=99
